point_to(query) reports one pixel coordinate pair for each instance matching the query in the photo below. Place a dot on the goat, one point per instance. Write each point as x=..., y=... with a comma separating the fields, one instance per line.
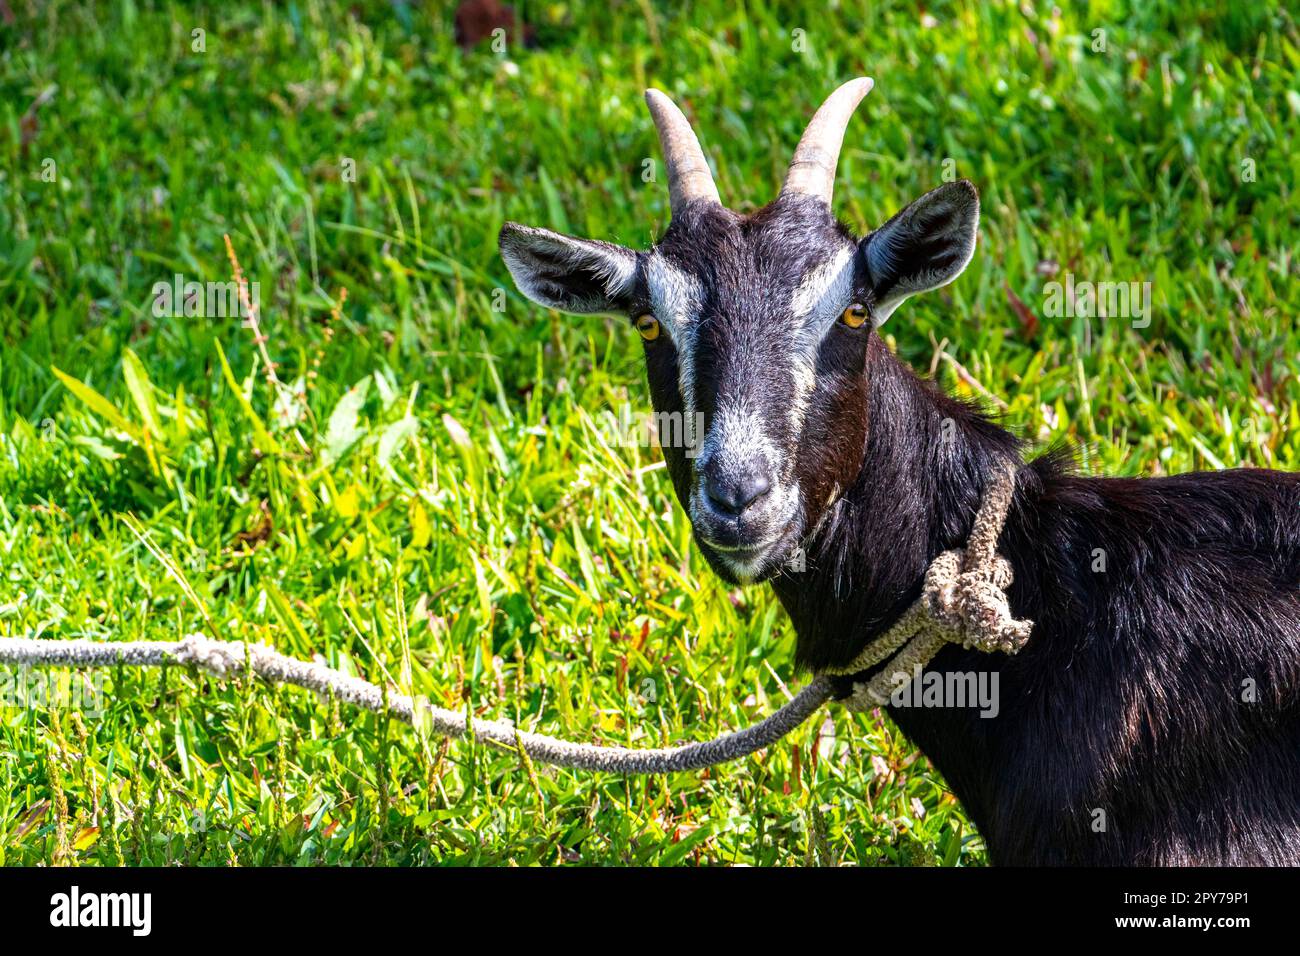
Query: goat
x=1154, y=715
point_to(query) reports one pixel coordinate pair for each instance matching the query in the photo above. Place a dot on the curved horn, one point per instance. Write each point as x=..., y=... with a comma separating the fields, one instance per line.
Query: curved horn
x=812, y=170
x=688, y=171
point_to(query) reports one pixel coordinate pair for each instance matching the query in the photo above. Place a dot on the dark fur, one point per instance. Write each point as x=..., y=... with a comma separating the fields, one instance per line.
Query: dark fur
x=1130, y=696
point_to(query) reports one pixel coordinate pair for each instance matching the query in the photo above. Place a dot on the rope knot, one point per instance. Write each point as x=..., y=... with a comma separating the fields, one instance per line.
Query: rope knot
x=970, y=606
x=963, y=601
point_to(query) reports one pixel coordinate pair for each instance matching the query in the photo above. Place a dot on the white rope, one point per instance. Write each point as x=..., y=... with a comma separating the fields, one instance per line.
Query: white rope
x=225, y=658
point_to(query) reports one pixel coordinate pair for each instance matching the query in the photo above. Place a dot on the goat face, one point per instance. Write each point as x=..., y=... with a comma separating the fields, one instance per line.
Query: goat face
x=755, y=330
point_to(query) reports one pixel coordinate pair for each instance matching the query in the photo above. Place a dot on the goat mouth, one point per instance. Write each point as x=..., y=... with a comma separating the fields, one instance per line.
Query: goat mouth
x=730, y=539
x=744, y=550
x=748, y=563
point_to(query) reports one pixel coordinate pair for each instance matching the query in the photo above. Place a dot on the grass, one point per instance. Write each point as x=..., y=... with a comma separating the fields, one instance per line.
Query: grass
x=427, y=496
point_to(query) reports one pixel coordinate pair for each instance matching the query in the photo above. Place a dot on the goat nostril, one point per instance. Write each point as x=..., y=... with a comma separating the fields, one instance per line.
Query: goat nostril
x=732, y=496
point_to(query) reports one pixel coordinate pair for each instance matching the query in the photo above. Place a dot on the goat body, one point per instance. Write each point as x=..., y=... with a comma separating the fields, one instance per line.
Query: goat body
x=1154, y=716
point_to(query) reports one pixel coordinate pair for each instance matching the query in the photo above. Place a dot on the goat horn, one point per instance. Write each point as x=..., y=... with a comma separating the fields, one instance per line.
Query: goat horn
x=688, y=171
x=812, y=170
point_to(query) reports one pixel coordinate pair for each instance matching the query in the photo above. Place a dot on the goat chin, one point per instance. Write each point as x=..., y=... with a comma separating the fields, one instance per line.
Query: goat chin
x=755, y=565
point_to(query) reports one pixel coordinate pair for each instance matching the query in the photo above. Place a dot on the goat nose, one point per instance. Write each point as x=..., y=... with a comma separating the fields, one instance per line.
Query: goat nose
x=734, y=493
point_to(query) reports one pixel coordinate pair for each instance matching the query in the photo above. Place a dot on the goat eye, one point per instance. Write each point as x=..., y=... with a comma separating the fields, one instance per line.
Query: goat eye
x=648, y=326
x=854, y=315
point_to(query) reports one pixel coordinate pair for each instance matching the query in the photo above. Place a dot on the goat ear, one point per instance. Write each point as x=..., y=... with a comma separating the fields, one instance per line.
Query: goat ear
x=923, y=247
x=572, y=275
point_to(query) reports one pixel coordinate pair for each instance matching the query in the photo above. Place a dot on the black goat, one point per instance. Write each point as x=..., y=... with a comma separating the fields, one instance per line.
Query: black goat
x=1154, y=716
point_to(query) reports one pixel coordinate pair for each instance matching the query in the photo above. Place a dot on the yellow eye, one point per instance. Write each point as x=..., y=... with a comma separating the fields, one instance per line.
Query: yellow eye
x=854, y=315
x=648, y=326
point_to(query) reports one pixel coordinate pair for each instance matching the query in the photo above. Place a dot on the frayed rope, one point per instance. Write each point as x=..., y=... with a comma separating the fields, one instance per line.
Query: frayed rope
x=227, y=658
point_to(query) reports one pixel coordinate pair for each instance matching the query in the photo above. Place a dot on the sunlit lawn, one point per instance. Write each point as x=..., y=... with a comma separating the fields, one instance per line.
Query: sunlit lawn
x=425, y=492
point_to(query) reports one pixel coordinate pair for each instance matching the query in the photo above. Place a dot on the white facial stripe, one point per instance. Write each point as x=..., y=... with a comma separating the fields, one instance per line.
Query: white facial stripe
x=822, y=295
x=677, y=298
x=804, y=379
x=825, y=292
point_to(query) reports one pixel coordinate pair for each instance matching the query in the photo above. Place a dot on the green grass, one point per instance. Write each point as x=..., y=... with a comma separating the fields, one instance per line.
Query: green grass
x=443, y=513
